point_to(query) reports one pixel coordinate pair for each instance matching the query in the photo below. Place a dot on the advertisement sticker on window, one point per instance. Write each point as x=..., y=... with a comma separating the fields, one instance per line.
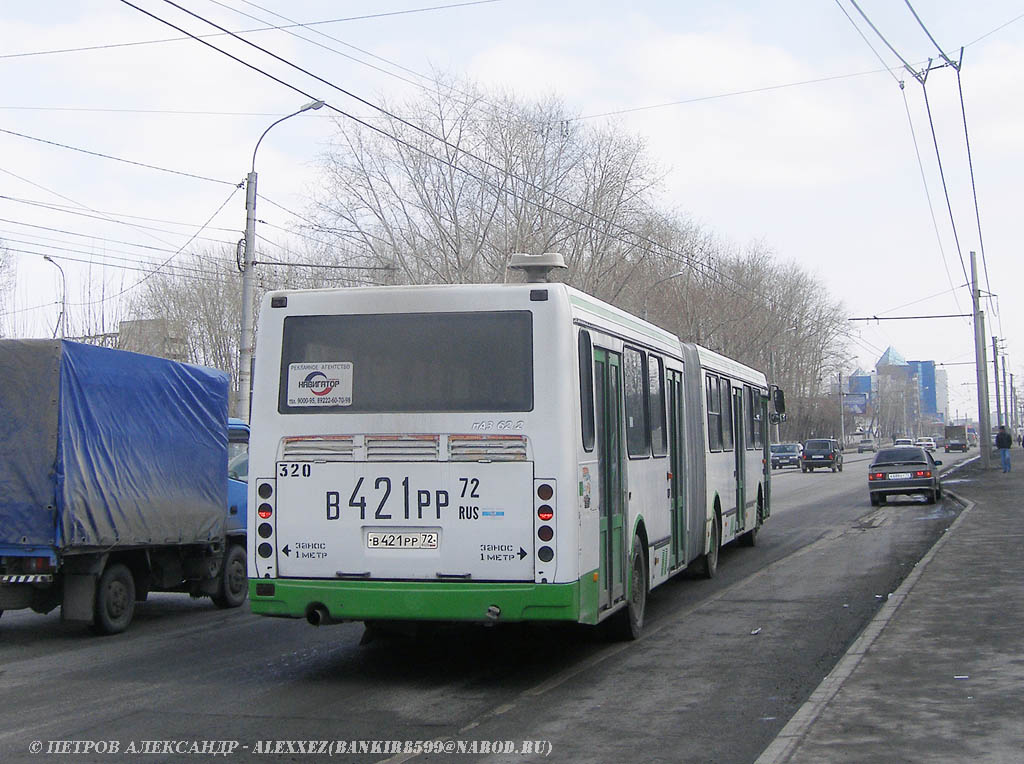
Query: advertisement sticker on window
x=320, y=384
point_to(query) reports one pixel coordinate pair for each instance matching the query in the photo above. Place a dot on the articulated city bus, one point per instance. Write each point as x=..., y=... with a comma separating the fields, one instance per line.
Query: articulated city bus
x=490, y=453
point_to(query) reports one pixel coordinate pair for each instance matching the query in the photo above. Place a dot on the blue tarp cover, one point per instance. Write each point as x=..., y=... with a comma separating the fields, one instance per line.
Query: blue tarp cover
x=102, y=448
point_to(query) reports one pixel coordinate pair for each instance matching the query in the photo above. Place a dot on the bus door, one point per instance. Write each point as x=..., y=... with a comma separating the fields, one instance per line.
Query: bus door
x=608, y=421
x=677, y=464
x=740, y=453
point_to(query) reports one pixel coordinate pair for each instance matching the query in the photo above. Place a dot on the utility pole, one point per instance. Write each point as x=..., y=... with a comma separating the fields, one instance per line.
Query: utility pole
x=248, y=286
x=842, y=423
x=985, y=446
x=1006, y=396
x=1013, y=403
x=995, y=364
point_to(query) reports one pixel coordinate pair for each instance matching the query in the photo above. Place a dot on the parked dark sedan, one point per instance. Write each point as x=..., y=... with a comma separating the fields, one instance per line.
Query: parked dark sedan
x=904, y=470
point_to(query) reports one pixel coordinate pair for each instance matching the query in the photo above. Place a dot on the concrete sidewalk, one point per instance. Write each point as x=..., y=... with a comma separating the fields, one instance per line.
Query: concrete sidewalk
x=938, y=675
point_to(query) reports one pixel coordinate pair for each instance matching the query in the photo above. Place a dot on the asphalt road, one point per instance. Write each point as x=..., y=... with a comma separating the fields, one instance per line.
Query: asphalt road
x=721, y=667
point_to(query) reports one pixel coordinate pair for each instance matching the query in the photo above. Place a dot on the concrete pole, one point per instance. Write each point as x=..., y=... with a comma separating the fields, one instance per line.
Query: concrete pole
x=246, y=345
x=995, y=365
x=248, y=292
x=842, y=423
x=984, y=424
x=1006, y=396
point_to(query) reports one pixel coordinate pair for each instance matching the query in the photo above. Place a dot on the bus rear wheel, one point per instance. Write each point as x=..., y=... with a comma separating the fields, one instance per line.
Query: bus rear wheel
x=631, y=618
x=709, y=562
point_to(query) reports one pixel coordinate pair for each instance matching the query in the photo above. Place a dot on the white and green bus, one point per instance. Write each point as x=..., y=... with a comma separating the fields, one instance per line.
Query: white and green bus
x=490, y=453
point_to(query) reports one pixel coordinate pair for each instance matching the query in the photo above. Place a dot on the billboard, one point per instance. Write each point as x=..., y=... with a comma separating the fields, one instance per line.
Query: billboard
x=855, y=403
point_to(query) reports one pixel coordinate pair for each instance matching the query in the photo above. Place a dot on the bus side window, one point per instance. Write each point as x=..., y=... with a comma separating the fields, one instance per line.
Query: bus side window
x=634, y=385
x=726, y=417
x=586, y=353
x=656, y=378
x=714, y=414
x=750, y=417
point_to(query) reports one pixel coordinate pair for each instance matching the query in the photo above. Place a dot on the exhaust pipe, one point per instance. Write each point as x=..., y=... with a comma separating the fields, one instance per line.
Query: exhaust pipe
x=318, y=616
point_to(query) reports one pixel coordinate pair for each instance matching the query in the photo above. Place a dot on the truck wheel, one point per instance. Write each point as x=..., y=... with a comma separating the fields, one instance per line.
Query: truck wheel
x=233, y=586
x=115, y=600
x=631, y=618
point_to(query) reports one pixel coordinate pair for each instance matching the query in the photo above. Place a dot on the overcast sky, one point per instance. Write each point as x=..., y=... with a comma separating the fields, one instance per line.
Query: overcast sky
x=774, y=122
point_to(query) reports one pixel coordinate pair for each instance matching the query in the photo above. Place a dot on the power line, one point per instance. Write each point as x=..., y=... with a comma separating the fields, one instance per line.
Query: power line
x=924, y=299
x=882, y=37
x=127, y=265
x=141, y=229
x=974, y=192
x=909, y=318
x=326, y=47
x=83, y=235
x=111, y=217
x=928, y=197
x=867, y=42
x=250, y=31
x=119, y=159
x=942, y=53
x=168, y=260
x=697, y=266
x=942, y=175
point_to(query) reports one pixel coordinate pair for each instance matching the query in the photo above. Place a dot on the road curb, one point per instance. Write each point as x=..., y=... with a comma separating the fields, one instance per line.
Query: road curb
x=786, y=742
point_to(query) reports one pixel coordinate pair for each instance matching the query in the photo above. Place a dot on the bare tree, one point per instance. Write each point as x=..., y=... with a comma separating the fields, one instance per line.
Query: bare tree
x=6, y=284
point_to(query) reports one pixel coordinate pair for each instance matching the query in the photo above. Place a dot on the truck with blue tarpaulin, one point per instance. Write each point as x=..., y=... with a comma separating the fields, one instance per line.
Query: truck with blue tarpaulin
x=114, y=482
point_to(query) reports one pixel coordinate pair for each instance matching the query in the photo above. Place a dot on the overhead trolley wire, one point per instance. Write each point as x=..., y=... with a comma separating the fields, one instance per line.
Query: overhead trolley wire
x=882, y=37
x=103, y=216
x=974, y=193
x=928, y=197
x=119, y=159
x=168, y=260
x=639, y=239
x=64, y=209
x=942, y=53
x=250, y=31
x=921, y=78
x=917, y=150
x=84, y=235
x=127, y=265
x=868, y=43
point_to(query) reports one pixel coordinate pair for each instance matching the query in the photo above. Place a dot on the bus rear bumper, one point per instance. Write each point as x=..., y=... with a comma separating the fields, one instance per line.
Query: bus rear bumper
x=416, y=600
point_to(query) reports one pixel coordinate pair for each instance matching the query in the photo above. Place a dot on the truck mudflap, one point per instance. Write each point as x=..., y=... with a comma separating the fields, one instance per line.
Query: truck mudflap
x=436, y=521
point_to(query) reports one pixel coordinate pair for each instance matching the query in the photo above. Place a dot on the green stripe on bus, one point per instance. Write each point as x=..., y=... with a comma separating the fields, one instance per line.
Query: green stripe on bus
x=420, y=600
x=661, y=335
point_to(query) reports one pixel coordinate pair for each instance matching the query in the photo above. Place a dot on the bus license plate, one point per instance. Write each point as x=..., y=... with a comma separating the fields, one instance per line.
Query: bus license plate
x=402, y=540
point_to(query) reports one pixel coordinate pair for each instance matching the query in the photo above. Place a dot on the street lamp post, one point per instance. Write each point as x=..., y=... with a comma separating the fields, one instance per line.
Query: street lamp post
x=62, y=318
x=245, y=348
x=650, y=289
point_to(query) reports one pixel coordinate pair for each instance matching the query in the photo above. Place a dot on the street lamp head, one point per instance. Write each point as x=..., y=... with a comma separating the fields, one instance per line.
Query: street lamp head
x=311, y=105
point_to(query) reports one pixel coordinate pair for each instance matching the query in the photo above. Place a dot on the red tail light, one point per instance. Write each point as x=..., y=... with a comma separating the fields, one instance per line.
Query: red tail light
x=923, y=473
x=876, y=476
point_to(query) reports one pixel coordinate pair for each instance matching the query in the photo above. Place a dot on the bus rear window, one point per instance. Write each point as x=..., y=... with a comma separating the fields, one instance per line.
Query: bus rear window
x=407, y=362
